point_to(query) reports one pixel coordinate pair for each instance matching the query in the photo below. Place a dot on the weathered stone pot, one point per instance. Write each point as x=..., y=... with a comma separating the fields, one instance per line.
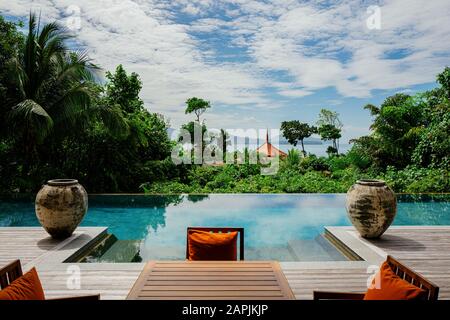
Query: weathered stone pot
x=60, y=206
x=371, y=207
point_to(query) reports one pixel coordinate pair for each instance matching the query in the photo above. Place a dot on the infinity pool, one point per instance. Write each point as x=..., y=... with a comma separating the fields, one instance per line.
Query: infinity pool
x=279, y=227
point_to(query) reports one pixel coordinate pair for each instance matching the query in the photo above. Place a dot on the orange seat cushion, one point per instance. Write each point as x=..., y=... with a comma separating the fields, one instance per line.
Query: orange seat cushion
x=392, y=287
x=204, y=245
x=27, y=287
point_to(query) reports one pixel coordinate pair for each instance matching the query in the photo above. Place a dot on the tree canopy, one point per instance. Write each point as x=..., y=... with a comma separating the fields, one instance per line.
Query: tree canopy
x=329, y=129
x=295, y=131
x=197, y=106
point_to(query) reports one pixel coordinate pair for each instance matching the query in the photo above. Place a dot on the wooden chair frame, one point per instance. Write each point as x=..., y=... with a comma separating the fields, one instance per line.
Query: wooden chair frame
x=399, y=269
x=13, y=271
x=218, y=230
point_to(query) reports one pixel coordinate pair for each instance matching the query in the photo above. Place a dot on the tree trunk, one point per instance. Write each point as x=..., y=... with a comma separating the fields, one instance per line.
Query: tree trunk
x=303, y=148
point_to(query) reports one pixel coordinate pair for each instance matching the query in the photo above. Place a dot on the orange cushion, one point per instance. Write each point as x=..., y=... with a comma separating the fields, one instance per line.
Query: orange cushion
x=27, y=287
x=204, y=245
x=392, y=287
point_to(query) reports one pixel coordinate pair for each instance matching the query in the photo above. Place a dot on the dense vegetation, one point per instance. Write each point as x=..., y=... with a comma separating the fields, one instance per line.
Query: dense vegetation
x=57, y=120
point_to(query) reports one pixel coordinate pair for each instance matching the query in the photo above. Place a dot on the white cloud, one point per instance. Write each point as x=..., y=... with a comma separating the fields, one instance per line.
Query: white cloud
x=294, y=93
x=169, y=60
x=313, y=45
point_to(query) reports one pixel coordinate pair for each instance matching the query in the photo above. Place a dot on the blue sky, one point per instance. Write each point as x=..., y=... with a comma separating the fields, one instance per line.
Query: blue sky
x=261, y=62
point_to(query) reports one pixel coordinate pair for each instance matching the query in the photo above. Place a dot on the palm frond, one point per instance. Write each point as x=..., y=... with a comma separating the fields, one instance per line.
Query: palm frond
x=114, y=120
x=18, y=75
x=50, y=31
x=71, y=103
x=32, y=116
x=77, y=67
x=30, y=56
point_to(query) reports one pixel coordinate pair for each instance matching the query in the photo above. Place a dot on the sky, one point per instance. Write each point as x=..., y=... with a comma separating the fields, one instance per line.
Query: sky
x=260, y=62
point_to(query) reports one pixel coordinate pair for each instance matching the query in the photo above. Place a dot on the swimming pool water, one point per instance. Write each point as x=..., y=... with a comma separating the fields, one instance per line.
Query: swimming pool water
x=281, y=227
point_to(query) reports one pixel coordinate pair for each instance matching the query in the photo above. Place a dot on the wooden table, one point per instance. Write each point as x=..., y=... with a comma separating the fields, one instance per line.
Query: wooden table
x=211, y=280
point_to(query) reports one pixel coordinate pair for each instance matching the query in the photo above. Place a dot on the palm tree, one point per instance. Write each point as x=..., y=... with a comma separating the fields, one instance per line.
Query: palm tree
x=55, y=85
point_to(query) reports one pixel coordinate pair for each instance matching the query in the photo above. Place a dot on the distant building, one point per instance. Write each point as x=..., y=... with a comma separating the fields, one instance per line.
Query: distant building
x=269, y=150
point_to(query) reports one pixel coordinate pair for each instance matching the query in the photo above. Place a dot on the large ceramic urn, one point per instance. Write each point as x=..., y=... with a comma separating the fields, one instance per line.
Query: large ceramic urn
x=371, y=207
x=60, y=206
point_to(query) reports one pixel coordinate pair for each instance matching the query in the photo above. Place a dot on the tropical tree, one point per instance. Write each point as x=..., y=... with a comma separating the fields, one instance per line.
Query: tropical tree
x=329, y=132
x=118, y=157
x=329, y=128
x=396, y=130
x=11, y=42
x=123, y=90
x=329, y=117
x=225, y=138
x=295, y=131
x=193, y=127
x=197, y=106
x=197, y=134
x=443, y=79
x=53, y=85
x=433, y=148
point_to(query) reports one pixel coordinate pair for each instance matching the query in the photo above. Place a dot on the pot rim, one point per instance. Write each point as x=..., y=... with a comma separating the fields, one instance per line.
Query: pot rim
x=62, y=182
x=371, y=182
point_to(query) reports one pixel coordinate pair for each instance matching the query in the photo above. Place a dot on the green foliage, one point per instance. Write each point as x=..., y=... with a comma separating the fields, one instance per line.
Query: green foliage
x=123, y=90
x=66, y=125
x=410, y=130
x=417, y=180
x=53, y=86
x=314, y=163
x=11, y=43
x=443, y=79
x=56, y=121
x=197, y=106
x=192, y=127
x=295, y=131
x=293, y=159
x=328, y=117
x=357, y=157
x=329, y=129
x=433, y=148
x=329, y=132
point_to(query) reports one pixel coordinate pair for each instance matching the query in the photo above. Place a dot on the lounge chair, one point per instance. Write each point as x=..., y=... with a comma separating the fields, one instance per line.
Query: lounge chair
x=13, y=271
x=218, y=230
x=432, y=291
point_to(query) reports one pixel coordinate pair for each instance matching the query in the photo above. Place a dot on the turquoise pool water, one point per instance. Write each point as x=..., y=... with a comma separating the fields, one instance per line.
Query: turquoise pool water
x=281, y=227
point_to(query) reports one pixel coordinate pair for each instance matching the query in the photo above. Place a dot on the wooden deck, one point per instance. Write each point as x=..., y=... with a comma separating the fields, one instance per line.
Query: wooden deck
x=211, y=280
x=305, y=277
x=424, y=249
x=34, y=247
x=31, y=245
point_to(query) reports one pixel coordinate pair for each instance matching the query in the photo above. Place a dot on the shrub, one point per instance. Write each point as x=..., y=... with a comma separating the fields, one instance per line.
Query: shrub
x=417, y=180
x=313, y=163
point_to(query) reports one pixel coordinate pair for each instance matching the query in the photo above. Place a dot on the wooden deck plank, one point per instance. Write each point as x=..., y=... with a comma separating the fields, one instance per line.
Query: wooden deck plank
x=34, y=247
x=424, y=249
x=224, y=282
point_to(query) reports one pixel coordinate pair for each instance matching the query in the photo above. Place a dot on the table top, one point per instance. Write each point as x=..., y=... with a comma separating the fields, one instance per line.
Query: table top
x=211, y=280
